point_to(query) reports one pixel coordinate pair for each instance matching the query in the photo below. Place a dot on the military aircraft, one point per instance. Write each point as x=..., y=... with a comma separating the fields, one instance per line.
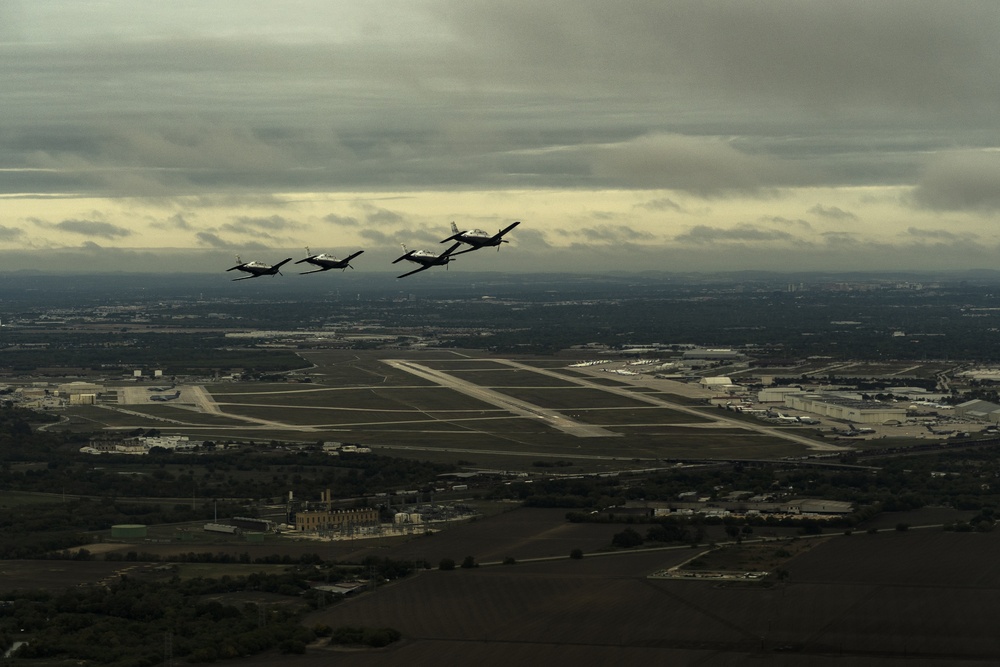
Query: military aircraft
x=327, y=262
x=477, y=238
x=425, y=258
x=257, y=269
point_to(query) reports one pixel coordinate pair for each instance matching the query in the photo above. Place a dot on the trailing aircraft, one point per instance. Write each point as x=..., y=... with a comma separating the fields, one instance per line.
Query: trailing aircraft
x=327, y=262
x=425, y=258
x=257, y=269
x=477, y=238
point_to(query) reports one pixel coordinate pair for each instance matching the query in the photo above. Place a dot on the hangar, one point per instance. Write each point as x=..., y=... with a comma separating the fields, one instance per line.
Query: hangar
x=846, y=409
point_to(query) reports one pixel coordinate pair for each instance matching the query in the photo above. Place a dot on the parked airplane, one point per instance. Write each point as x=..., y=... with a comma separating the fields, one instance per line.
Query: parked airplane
x=166, y=397
x=778, y=416
x=257, y=269
x=327, y=262
x=425, y=258
x=477, y=238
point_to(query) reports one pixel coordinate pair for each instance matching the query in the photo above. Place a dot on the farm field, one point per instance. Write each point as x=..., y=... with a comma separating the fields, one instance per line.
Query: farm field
x=859, y=600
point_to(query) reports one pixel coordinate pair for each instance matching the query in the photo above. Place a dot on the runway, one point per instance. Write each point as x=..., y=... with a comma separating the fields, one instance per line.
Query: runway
x=550, y=417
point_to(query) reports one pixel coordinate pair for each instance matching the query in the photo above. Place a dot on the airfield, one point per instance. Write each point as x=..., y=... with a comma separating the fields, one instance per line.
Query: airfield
x=456, y=405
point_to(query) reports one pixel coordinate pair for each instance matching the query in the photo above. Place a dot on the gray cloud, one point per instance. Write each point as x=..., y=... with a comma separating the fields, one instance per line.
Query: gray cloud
x=960, y=180
x=215, y=107
x=251, y=225
x=212, y=240
x=787, y=222
x=832, y=212
x=341, y=221
x=97, y=228
x=176, y=221
x=663, y=204
x=504, y=96
x=706, y=167
x=376, y=236
x=701, y=234
x=938, y=235
x=10, y=233
x=609, y=234
x=841, y=239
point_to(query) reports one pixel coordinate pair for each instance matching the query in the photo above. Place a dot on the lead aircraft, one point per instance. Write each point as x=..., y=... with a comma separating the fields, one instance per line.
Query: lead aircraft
x=477, y=238
x=326, y=262
x=257, y=269
x=425, y=258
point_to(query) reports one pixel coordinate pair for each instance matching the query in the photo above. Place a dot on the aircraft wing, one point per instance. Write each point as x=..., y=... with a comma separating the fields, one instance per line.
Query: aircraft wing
x=255, y=275
x=281, y=263
x=306, y=273
x=305, y=260
x=462, y=252
x=449, y=251
x=350, y=257
x=422, y=268
x=452, y=237
x=400, y=259
x=238, y=266
x=506, y=229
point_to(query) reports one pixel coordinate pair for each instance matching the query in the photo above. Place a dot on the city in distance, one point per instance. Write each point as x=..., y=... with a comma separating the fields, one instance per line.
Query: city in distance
x=706, y=455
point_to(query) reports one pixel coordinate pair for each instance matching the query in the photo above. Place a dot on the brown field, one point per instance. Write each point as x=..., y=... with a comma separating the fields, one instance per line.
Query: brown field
x=920, y=597
x=923, y=597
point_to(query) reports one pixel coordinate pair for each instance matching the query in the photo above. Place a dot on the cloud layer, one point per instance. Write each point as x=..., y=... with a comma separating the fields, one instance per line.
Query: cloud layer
x=778, y=126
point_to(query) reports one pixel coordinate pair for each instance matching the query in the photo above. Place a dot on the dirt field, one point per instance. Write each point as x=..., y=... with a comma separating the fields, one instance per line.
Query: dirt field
x=921, y=597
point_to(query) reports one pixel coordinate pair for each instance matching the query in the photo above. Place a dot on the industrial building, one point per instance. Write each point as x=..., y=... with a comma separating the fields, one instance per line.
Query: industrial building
x=72, y=388
x=335, y=519
x=846, y=409
x=777, y=394
x=983, y=410
x=326, y=517
x=711, y=355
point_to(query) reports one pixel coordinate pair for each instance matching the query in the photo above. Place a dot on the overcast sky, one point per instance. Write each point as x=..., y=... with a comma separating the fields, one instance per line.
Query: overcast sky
x=657, y=134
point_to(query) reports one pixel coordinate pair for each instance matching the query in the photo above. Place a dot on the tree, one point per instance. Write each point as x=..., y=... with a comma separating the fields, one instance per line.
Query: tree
x=446, y=564
x=626, y=539
x=576, y=554
x=469, y=562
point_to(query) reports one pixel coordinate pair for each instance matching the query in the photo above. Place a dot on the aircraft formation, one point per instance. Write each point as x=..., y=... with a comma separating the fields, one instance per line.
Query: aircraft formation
x=474, y=238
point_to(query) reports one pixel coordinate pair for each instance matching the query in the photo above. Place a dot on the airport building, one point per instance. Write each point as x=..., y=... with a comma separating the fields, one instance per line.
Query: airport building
x=983, y=410
x=777, y=394
x=711, y=355
x=846, y=409
x=72, y=388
